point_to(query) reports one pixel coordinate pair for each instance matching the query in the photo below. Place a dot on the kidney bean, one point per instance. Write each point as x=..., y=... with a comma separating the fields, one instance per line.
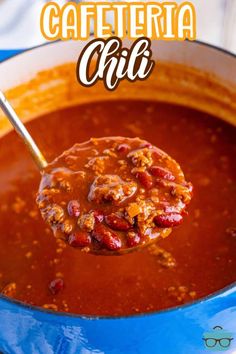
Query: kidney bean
x=145, y=179
x=79, y=239
x=106, y=237
x=73, y=208
x=168, y=220
x=133, y=239
x=123, y=148
x=56, y=285
x=161, y=173
x=116, y=222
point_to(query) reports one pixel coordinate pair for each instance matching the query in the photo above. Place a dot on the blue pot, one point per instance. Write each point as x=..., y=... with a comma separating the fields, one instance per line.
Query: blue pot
x=182, y=330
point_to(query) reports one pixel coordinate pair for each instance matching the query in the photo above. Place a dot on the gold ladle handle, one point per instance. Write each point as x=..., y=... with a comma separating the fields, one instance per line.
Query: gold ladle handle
x=23, y=132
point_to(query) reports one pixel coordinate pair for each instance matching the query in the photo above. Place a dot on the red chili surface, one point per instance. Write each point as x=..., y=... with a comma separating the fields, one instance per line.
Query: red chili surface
x=196, y=260
x=140, y=194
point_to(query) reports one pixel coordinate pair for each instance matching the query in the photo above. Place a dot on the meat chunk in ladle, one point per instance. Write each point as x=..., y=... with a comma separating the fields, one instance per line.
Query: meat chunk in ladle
x=109, y=195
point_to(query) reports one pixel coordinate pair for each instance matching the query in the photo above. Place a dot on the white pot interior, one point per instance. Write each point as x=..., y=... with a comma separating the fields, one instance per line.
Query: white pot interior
x=43, y=79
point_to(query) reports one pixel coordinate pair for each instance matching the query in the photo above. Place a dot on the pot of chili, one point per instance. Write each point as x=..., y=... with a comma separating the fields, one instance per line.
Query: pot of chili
x=161, y=299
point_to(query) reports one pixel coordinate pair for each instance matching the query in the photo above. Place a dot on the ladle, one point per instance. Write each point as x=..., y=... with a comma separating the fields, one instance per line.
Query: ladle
x=23, y=132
